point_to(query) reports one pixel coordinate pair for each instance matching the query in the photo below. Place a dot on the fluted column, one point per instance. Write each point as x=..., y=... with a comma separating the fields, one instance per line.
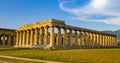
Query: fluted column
x=94, y=40
x=41, y=36
x=31, y=37
x=110, y=41
x=65, y=37
x=96, y=43
x=79, y=41
x=20, y=41
x=114, y=40
x=23, y=42
x=46, y=36
x=103, y=41
x=36, y=37
x=89, y=39
x=9, y=40
x=17, y=38
x=52, y=36
x=107, y=43
x=70, y=37
x=76, y=34
x=28, y=38
x=98, y=40
x=3, y=40
x=58, y=42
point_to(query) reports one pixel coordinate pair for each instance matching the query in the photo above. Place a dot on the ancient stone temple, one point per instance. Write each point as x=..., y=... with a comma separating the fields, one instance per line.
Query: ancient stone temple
x=7, y=37
x=54, y=33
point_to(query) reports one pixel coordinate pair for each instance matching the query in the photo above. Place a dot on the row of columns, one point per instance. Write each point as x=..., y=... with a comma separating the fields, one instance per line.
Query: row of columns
x=6, y=40
x=42, y=37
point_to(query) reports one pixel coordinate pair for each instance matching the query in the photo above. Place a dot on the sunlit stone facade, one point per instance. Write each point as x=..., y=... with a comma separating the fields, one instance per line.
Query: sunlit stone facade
x=7, y=37
x=54, y=33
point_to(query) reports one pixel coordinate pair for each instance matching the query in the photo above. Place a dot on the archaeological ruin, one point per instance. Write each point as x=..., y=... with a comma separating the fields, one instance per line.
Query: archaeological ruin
x=7, y=37
x=54, y=33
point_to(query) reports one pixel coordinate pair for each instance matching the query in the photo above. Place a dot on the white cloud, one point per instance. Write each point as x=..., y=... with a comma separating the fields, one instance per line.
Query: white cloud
x=105, y=11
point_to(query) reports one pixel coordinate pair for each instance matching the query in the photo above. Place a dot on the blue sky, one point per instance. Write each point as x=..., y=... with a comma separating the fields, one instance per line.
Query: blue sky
x=91, y=14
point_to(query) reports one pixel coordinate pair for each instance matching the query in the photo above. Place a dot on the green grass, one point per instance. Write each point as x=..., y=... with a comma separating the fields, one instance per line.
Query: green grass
x=16, y=61
x=70, y=56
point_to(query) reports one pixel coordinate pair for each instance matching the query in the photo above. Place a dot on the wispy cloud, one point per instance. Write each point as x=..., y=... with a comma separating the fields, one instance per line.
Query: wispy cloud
x=105, y=11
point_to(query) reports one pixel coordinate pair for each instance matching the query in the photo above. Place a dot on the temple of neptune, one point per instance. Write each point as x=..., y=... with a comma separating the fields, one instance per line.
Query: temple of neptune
x=54, y=33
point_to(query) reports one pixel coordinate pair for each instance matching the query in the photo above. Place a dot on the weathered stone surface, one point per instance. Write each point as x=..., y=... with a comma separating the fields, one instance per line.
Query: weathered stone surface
x=43, y=34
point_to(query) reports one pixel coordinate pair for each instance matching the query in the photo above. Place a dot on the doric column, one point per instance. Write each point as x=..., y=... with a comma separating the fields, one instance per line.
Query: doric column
x=46, y=35
x=108, y=41
x=3, y=40
x=103, y=42
x=23, y=42
x=100, y=41
x=76, y=35
x=65, y=37
x=9, y=40
x=83, y=39
x=96, y=43
x=28, y=38
x=111, y=41
x=17, y=38
x=51, y=36
x=36, y=36
x=41, y=36
x=80, y=34
x=89, y=39
x=70, y=37
x=20, y=41
x=31, y=37
x=59, y=41
x=114, y=40
x=94, y=40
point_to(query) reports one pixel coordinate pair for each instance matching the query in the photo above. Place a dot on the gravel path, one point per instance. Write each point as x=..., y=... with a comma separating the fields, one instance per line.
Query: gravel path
x=27, y=59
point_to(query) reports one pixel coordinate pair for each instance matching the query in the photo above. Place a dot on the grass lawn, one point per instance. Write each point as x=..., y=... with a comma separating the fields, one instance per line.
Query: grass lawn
x=70, y=56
